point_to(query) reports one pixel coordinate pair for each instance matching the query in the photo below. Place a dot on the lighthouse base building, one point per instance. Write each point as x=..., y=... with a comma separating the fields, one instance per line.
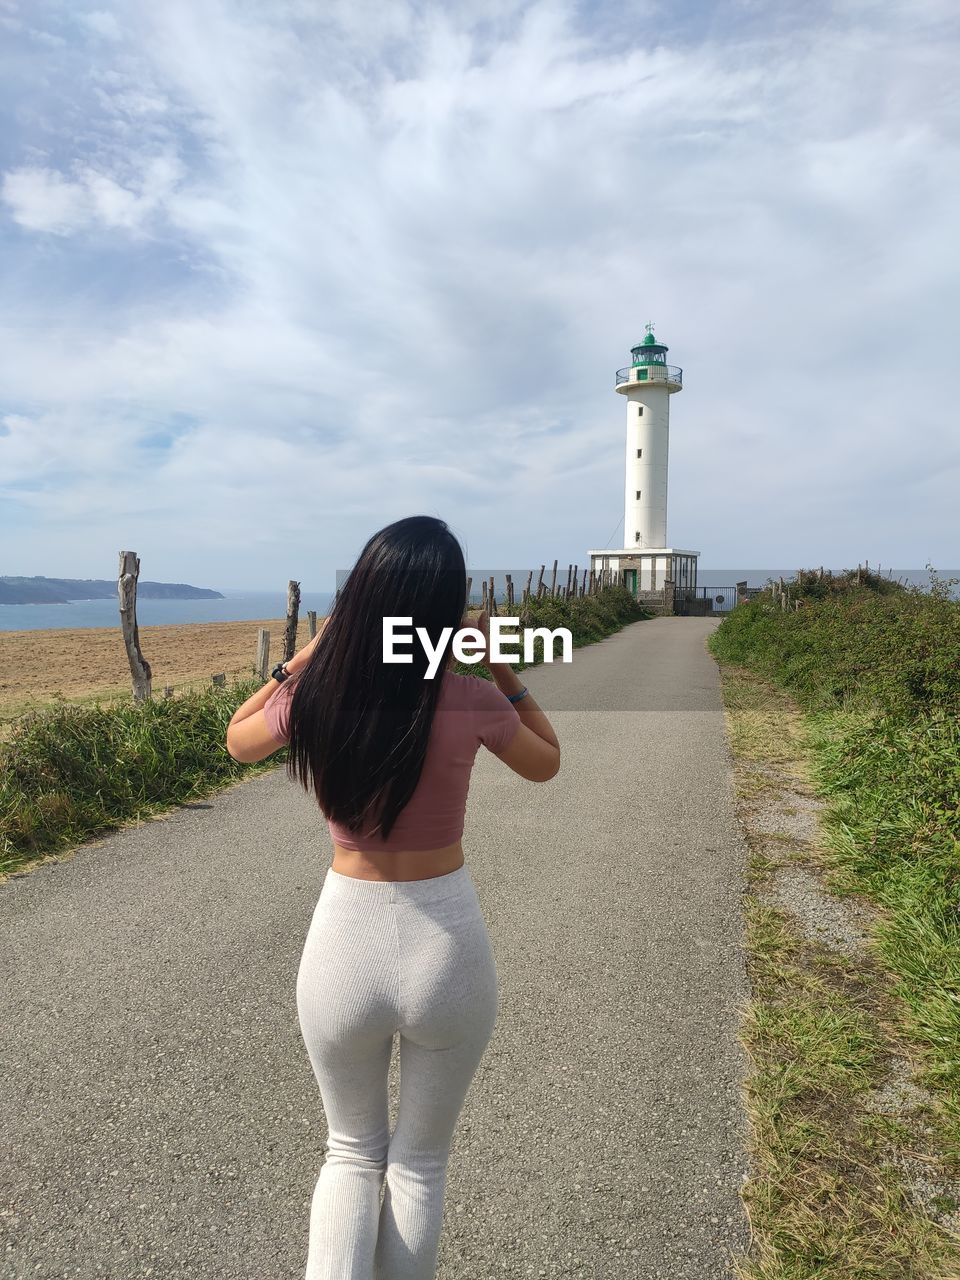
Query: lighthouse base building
x=648, y=570
x=646, y=563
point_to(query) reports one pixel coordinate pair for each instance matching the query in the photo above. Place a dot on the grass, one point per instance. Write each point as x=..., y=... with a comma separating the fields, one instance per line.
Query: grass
x=831, y=1194
x=71, y=772
x=75, y=770
x=894, y=833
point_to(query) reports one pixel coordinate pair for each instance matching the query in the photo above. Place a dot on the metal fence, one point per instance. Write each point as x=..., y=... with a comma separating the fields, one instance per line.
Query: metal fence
x=704, y=600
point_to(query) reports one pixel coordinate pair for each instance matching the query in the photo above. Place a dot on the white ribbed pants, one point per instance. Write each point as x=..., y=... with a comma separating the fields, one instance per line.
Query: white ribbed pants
x=381, y=957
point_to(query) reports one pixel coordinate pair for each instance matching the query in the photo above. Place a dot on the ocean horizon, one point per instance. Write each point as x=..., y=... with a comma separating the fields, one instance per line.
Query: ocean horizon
x=241, y=605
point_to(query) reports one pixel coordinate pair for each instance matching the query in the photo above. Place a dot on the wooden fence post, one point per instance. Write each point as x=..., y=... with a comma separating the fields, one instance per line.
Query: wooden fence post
x=483, y=593
x=140, y=672
x=526, y=589
x=540, y=581
x=311, y=623
x=262, y=667
x=469, y=588
x=553, y=580
x=293, y=615
x=510, y=590
x=492, y=597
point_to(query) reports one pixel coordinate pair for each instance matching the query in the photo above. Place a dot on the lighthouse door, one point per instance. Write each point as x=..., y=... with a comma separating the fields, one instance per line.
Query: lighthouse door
x=630, y=580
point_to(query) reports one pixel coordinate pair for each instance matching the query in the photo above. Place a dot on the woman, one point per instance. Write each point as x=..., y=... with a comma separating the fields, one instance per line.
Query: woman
x=397, y=942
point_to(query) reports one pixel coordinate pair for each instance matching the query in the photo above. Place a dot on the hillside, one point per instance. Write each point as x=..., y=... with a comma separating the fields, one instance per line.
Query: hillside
x=40, y=590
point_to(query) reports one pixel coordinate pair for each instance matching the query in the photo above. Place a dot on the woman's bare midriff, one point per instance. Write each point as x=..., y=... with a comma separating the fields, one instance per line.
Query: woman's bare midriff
x=412, y=864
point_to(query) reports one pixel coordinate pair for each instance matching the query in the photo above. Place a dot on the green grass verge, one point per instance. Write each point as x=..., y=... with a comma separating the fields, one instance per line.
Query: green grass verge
x=825, y=1201
x=854, y=695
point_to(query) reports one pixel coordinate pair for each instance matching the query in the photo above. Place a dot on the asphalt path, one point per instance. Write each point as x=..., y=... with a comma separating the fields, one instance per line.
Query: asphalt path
x=158, y=1111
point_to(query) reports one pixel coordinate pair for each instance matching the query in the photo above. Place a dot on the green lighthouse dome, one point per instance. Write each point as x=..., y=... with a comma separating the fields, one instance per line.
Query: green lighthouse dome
x=649, y=350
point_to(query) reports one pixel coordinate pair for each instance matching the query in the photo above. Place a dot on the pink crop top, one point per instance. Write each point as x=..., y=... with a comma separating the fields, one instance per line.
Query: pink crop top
x=470, y=711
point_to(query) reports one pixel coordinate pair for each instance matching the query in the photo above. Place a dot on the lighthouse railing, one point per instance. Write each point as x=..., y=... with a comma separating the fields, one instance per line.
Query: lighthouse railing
x=650, y=373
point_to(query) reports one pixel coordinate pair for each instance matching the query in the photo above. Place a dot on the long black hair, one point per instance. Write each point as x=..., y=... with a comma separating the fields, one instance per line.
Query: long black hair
x=359, y=726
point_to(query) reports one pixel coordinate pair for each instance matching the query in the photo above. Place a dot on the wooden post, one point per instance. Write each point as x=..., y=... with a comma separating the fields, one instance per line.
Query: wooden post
x=593, y=579
x=492, y=597
x=293, y=614
x=583, y=584
x=483, y=593
x=262, y=668
x=311, y=623
x=140, y=672
x=526, y=589
x=540, y=581
x=469, y=588
x=510, y=590
x=553, y=580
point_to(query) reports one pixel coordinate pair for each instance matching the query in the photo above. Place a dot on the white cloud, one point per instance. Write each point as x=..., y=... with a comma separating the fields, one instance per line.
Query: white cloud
x=103, y=23
x=386, y=259
x=42, y=200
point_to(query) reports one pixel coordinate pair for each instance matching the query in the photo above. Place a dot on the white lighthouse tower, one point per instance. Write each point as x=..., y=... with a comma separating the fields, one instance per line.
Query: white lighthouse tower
x=646, y=560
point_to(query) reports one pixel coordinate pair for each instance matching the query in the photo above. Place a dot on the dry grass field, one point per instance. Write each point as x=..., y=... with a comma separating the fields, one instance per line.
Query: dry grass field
x=39, y=666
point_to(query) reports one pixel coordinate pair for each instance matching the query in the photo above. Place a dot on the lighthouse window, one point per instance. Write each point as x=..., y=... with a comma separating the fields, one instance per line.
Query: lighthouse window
x=636, y=536
x=639, y=410
x=639, y=453
x=638, y=495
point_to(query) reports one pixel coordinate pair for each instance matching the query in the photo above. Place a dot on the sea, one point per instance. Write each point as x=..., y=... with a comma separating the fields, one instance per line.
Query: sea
x=236, y=606
x=241, y=606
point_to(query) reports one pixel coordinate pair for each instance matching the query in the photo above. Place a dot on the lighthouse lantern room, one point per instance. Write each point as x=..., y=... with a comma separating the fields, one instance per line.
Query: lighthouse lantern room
x=647, y=561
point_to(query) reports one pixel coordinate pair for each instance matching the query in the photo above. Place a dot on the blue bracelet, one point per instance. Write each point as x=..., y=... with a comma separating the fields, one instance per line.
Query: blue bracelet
x=517, y=696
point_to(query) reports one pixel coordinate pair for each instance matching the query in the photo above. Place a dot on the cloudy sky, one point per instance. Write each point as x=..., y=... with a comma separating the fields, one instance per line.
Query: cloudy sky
x=277, y=272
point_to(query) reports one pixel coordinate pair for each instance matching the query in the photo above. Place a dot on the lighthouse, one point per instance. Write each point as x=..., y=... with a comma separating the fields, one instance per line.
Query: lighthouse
x=646, y=561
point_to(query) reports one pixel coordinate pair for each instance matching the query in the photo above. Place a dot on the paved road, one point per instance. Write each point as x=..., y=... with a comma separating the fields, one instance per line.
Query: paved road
x=158, y=1111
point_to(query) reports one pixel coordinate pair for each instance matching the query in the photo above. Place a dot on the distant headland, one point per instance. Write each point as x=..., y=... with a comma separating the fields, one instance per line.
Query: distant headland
x=63, y=590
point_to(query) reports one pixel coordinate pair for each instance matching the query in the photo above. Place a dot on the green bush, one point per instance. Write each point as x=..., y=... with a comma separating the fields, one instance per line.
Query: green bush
x=879, y=671
x=895, y=652
x=70, y=772
x=589, y=618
